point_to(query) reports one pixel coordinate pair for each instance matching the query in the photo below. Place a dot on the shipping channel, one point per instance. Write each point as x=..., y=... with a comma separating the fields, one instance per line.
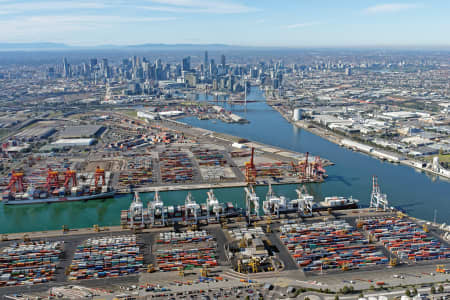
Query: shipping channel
x=417, y=193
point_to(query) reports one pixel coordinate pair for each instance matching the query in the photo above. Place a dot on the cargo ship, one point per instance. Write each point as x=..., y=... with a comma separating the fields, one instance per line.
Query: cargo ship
x=276, y=205
x=56, y=190
x=336, y=202
x=157, y=214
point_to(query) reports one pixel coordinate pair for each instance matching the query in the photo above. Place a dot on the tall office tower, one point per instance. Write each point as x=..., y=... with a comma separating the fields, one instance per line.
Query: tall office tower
x=92, y=62
x=66, y=71
x=186, y=65
x=206, y=61
x=222, y=60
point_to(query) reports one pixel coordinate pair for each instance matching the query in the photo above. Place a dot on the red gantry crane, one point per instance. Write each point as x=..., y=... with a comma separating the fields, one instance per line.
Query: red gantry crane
x=52, y=179
x=16, y=182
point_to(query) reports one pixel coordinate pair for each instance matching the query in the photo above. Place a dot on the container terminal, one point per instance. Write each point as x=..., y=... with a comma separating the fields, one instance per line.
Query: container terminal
x=298, y=243
x=125, y=154
x=159, y=249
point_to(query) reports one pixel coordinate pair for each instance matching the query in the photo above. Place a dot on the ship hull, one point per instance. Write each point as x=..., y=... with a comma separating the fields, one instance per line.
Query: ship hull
x=61, y=199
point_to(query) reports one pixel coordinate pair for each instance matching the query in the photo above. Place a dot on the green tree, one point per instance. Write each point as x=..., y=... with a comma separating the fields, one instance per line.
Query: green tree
x=433, y=290
x=441, y=289
x=408, y=293
x=414, y=291
x=336, y=297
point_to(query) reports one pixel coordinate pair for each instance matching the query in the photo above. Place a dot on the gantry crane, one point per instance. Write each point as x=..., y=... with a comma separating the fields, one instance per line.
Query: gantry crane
x=52, y=179
x=251, y=201
x=70, y=175
x=99, y=174
x=16, y=182
x=377, y=199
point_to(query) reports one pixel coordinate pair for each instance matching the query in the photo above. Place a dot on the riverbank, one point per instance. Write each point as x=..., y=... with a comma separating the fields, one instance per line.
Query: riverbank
x=336, y=139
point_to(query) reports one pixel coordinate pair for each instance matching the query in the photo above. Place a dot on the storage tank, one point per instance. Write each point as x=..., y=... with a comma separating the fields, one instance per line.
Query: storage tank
x=297, y=114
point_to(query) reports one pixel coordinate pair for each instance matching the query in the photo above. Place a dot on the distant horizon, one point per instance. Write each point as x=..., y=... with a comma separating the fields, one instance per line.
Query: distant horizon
x=62, y=46
x=262, y=23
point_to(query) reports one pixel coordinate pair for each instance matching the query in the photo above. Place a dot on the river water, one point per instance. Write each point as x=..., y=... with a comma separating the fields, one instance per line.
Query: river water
x=419, y=194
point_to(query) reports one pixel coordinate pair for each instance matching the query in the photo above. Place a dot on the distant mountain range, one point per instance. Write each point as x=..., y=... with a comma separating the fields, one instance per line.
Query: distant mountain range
x=61, y=46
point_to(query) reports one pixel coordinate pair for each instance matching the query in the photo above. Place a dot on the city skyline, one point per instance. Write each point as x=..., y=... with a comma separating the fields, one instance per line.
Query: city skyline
x=240, y=23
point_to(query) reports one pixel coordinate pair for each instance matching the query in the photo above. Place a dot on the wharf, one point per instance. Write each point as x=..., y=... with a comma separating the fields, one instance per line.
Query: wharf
x=336, y=139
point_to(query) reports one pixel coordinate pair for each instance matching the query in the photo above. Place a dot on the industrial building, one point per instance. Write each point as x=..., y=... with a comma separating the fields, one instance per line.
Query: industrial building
x=68, y=143
x=85, y=131
x=35, y=133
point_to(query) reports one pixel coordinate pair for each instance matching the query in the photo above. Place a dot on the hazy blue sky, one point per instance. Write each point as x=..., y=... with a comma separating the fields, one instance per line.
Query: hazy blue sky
x=239, y=22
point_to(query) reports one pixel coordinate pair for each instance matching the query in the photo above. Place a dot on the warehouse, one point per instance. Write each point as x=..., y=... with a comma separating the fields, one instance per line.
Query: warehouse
x=35, y=133
x=86, y=131
x=64, y=143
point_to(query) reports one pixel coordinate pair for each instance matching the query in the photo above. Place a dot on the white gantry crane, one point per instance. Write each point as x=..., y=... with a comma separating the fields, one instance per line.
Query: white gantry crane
x=251, y=201
x=377, y=199
x=192, y=209
x=156, y=210
x=136, y=211
x=212, y=204
x=305, y=202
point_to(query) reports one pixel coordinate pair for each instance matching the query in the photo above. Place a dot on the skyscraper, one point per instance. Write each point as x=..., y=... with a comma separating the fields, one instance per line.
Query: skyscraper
x=66, y=71
x=206, y=61
x=222, y=60
x=186, y=65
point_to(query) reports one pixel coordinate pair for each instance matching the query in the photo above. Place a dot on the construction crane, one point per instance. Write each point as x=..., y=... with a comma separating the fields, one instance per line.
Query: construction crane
x=16, y=182
x=250, y=169
x=99, y=174
x=70, y=175
x=52, y=179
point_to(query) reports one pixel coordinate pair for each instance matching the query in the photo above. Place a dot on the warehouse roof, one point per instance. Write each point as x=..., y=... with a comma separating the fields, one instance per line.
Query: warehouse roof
x=84, y=131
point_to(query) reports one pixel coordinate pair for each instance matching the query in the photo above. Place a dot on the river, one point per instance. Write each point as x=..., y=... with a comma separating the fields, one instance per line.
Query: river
x=417, y=193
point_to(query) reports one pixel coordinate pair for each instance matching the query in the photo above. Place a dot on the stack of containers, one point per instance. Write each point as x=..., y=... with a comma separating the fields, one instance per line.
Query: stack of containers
x=184, y=237
x=187, y=256
x=29, y=263
x=209, y=157
x=405, y=239
x=172, y=260
x=175, y=166
x=106, y=257
x=329, y=245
